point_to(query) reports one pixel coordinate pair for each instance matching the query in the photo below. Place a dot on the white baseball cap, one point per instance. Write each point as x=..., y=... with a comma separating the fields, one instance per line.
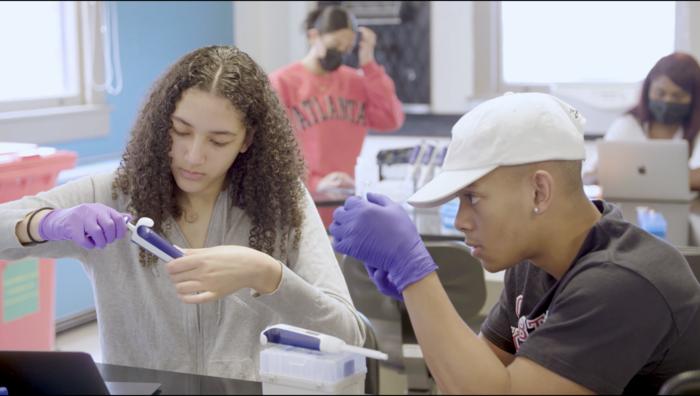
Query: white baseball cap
x=513, y=129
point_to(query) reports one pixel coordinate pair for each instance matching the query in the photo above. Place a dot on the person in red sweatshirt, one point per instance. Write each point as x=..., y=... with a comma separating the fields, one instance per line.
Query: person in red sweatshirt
x=331, y=106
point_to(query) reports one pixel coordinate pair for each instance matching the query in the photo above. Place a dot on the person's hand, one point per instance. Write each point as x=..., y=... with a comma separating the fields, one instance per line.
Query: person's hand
x=203, y=275
x=379, y=232
x=383, y=283
x=334, y=181
x=91, y=225
x=367, y=43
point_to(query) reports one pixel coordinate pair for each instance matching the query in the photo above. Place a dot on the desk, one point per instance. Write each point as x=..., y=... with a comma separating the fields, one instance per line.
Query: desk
x=179, y=383
x=329, y=199
x=680, y=218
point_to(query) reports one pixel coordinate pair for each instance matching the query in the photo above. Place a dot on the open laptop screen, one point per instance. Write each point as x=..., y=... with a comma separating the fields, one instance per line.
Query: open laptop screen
x=644, y=170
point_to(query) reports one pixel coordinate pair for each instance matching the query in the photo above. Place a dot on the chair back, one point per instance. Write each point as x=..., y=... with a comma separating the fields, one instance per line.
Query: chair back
x=365, y=296
x=372, y=378
x=463, y=279
x=459, y=272
x=685, y=383
x=461, y=275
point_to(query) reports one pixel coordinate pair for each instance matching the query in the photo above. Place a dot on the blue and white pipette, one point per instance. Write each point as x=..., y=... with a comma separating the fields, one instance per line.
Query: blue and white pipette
x=142, y=235
x=302, y=338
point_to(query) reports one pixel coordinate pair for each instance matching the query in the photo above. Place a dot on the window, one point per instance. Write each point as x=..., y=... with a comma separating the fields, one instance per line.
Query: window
x=593, y=55
x=40, y=63
x=583, y=42
x=52, y=69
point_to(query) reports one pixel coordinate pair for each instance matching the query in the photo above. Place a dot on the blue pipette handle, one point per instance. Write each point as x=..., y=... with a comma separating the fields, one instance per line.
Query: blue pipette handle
x=295, y=336
x=297, y=339
x=158, y=241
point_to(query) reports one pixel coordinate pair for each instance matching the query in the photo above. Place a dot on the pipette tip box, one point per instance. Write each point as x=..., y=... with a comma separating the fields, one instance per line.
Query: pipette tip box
x=291, y=370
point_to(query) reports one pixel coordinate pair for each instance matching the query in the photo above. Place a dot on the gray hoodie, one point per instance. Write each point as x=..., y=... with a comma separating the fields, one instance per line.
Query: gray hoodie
x=142, y=322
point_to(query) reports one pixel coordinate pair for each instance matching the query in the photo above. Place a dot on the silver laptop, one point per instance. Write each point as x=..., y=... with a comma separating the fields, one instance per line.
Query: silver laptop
x=654, y=170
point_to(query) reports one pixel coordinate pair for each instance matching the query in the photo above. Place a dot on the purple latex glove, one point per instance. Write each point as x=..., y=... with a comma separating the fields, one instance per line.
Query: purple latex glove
x=88, y=225
x=381, y=280
x=379, y=232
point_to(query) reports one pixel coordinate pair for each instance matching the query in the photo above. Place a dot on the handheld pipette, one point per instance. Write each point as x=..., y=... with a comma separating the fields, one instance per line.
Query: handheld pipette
x=142, y=235
x=302, y=338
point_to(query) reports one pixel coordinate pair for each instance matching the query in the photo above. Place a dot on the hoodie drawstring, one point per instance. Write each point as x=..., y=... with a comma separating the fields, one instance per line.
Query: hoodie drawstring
x=219, y=311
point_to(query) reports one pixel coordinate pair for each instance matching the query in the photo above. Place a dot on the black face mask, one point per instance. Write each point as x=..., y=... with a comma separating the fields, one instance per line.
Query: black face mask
x=668, y=112
x=332, y=60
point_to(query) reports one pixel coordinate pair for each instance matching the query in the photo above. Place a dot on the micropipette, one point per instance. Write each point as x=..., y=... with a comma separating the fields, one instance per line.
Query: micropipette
x=142, y=235
x=298, y=337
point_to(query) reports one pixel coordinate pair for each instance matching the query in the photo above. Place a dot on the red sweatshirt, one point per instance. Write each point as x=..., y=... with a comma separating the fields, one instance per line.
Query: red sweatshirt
x=331, y=113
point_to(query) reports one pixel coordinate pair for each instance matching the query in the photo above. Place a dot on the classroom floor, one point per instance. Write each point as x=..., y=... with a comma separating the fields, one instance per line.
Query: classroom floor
x=80, y=339
x=84, y=339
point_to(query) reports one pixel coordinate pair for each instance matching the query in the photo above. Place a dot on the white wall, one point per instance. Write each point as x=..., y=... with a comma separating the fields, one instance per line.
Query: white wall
x=271, y=31
x=688, y=27
x=451, y=56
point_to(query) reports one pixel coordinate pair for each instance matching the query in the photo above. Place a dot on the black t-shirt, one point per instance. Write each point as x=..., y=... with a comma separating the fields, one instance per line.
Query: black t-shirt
x=623, y=318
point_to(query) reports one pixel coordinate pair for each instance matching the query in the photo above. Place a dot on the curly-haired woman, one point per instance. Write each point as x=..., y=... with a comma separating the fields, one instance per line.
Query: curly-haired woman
x=213, y=161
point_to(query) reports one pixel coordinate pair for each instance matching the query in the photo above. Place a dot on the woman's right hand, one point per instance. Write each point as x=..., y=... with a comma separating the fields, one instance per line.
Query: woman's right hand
x=208, y=274
x=368, y=41
x=91, y=225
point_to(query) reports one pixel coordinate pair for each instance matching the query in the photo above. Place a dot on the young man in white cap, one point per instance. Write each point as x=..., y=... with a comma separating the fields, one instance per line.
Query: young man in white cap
x=591, y=304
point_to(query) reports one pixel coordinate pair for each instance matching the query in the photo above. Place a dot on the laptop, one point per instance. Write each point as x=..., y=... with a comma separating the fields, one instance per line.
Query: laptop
x=651, y=170
x=34, y=372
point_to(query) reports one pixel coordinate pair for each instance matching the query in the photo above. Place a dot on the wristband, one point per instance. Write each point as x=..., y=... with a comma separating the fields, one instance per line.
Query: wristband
x=29, y=223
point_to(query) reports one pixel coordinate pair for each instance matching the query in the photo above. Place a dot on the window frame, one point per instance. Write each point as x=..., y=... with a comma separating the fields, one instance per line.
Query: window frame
x=60, y=119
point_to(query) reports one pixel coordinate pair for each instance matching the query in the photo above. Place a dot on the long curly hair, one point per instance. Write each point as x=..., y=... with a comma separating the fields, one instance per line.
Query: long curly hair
x=266, y=181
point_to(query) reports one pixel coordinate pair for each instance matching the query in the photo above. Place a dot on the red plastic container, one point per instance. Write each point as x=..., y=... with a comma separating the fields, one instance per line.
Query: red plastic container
x=27, y=286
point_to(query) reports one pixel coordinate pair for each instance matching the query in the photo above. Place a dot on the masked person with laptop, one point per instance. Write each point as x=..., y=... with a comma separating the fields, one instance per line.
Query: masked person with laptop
x=587, y=306
x=668, y=108
x=331, y=106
